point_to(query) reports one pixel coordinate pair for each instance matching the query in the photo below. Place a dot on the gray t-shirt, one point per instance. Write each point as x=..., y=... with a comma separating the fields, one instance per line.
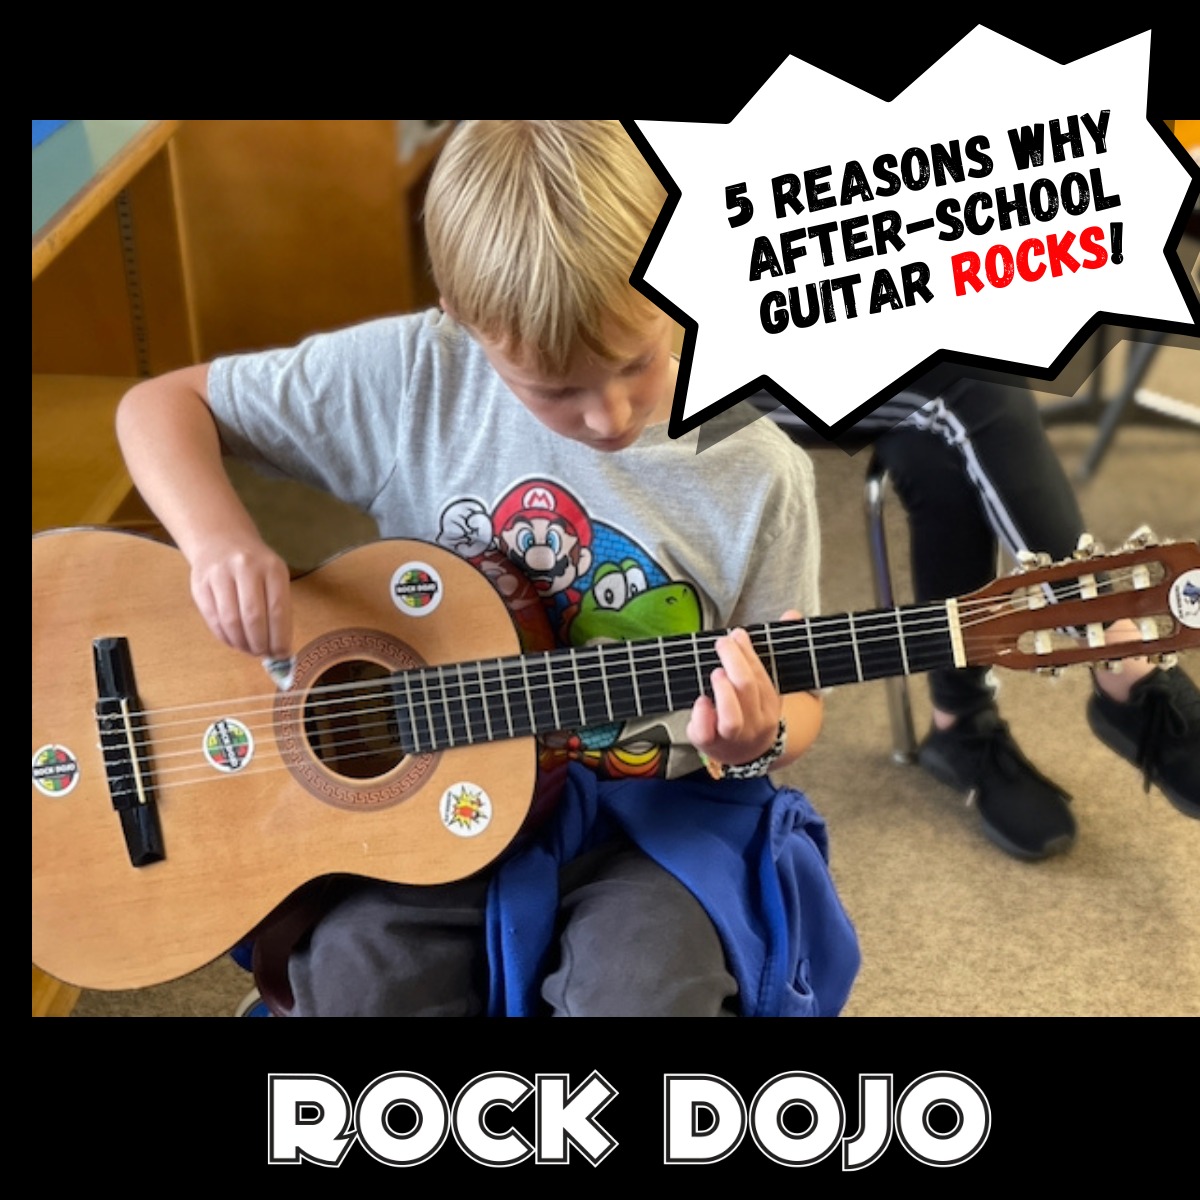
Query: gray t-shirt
x=405, y=419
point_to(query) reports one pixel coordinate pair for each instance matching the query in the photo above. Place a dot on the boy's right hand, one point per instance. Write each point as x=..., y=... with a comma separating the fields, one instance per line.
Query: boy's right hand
x=243, y=591
x=173, y=450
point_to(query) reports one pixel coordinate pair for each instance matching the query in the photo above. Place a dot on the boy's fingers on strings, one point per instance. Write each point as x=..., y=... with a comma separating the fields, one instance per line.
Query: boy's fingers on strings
x=746, y=702
x=702, y=727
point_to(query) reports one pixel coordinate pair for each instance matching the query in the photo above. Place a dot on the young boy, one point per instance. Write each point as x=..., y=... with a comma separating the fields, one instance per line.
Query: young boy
x=528, y=416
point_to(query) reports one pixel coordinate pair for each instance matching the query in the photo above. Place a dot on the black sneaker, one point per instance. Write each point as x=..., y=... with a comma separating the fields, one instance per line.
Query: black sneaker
x=1158, y=730
x=1022, y=811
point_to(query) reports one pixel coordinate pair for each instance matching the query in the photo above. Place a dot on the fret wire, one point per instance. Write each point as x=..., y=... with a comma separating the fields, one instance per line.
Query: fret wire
x=446, y=703
x=662, y=655
x=600, y=659
x=652, y=686
x=502, y=681
x=903, y=647
x=434, y=738
x=431, y=707
x=528, y=693
x=412, y=724
x=699, y=665
x=881, y=659
x=621, y=682
x=427, y=711
x=578, y=689
x=854, y=646
x=594, y=693
x=487, y=714
x=569, y=660
x=812, y=653
x=546, y=663
x=838, y=653
x=928, y=647
x=462, y=704
x=637, y=692
x=771, y=655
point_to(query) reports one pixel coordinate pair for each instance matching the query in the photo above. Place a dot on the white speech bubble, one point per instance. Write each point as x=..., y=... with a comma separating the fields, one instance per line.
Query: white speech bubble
x=770, y=284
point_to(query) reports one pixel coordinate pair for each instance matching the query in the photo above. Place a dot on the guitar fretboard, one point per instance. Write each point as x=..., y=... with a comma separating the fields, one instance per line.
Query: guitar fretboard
x=462, y=704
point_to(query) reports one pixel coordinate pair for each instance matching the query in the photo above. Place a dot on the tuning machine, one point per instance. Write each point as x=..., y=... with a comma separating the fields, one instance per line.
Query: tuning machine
x=1166, y=661
x=1087, y=547
x=1140, y=538
x=1027, y=560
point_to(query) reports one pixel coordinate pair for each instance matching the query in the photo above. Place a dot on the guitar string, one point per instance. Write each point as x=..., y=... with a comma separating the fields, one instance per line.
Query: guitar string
x=459, y=692
x=823, y=639
x=359, y=732
x=275, y=762
x=585, y=666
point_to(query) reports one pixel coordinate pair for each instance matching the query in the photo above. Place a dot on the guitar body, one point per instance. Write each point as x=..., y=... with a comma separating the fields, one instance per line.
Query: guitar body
x=257, y=791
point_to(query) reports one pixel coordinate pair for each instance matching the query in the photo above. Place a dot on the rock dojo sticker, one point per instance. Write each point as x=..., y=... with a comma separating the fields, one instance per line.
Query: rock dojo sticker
x=55, y=771
x=416, y=589
x=466, y=809
x=1184, y=598
x=228, y=745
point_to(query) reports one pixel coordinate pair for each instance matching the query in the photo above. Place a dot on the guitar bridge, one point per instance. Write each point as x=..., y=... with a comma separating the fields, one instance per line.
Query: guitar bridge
x=126, y=755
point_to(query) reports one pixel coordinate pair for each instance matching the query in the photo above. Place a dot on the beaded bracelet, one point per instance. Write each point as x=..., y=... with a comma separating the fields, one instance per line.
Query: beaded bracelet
x=750, y=770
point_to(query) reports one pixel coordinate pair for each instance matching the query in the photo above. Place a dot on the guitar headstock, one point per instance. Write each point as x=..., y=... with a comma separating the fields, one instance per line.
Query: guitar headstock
x=1052, y=615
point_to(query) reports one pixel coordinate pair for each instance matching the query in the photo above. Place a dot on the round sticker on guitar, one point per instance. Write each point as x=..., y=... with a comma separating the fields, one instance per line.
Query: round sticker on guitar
x=55, y=771
x=1184, y=598
x=228, y=745
x=416, y=589
x=465, y=809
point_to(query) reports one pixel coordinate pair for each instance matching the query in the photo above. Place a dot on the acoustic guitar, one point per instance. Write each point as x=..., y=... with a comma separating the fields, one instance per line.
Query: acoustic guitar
x=178, y=796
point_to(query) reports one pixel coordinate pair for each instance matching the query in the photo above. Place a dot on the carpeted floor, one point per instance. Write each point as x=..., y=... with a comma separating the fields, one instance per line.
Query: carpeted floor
x=949, y=924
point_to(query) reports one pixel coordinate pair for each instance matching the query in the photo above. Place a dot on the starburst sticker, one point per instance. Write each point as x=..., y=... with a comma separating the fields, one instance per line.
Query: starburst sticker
x=466, y=809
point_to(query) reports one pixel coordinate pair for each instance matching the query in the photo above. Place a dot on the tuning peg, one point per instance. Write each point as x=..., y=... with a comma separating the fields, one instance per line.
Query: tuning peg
x=1051, y=672
x=1166, y=661
x=1087, y=547
x=1027, y=560
x=1141, y=537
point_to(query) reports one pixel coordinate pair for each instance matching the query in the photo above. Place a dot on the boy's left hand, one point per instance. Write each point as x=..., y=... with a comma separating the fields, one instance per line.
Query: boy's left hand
x=741, y=721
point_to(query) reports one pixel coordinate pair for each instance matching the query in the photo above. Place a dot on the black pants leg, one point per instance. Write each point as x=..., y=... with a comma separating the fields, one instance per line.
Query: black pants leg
x=975, y=470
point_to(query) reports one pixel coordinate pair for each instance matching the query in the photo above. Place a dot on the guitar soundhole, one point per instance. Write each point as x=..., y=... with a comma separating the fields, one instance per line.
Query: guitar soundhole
x=350, y=723
x=335, y=726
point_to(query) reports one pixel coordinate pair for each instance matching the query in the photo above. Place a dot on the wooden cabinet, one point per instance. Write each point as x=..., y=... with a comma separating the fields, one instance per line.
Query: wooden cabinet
x=110, y=305
x=292, y=227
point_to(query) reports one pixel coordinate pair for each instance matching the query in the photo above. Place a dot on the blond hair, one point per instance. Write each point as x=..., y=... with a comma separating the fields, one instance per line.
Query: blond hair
x=533, y=229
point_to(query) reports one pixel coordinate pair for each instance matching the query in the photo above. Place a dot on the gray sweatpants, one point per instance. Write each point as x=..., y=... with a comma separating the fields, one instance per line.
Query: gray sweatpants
x=633, y=941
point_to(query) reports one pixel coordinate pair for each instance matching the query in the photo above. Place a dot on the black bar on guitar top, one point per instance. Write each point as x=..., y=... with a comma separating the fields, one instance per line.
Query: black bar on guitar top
x=126, y=751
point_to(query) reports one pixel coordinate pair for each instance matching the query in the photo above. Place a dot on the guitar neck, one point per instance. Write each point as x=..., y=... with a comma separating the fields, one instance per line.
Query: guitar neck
x=466, y=703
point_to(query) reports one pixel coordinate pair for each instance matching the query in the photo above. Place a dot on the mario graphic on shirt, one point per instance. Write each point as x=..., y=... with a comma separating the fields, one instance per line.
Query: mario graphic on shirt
x=541, y=528
x=596, y=584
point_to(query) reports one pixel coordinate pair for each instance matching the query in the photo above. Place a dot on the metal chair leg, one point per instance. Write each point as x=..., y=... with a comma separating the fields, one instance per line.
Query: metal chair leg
x=904, y=741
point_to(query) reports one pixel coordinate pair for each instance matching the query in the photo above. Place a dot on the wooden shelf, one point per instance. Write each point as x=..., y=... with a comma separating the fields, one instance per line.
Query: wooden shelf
x=88, y=192
x=78, y=474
